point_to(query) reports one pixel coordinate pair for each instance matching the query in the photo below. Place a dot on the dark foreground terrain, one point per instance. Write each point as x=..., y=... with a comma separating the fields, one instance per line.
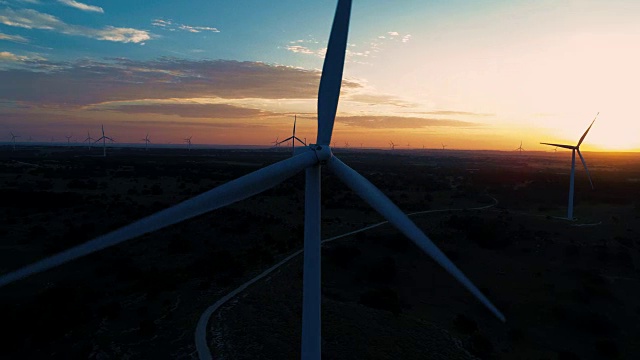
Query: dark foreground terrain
x=569, y=289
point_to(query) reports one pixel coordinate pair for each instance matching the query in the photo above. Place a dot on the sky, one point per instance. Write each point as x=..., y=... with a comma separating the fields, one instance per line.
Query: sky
x=468, y=74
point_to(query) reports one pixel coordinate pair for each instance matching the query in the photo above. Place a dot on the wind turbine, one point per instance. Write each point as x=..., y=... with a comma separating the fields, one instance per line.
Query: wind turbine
x=188, y=141
x=443, y=146
x=68, y=140
x=573, y=166
x=13, y=140
x=89, y=139
x=520, y=149
x=104, y=142
x=346, y=144
x=146, y=142
x=276, y=143
x=392, y=145
x=310, y=159
x=293, y=136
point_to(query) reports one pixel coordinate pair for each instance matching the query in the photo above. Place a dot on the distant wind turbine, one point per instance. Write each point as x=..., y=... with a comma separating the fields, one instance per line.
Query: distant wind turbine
x=146, y=141
x=68, y=140
x=188, y=141
x=276, y=143
x=13, y=140
x=310, y=159
x=89, y=139
x=293, y=137
x=443, y=146
x=392, y=145
x=573, y=166
x=520, y=149
x=104, y=142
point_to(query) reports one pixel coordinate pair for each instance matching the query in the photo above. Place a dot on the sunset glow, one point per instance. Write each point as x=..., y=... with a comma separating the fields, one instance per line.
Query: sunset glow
x=471, y=75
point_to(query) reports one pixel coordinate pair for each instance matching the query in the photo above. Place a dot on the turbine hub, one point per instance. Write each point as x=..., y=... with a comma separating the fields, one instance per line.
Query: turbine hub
x=323, y=152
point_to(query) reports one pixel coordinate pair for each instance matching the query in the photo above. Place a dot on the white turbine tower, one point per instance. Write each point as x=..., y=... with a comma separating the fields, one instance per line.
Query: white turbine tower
x=89, y=139
x=146, y=142
x=293, y=137
x=188, y=141
x=13, y=140
x=310, y=159
x=104, y=142
x=573, y=166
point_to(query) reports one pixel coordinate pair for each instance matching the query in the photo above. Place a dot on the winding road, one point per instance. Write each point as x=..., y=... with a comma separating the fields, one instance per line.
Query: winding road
x=201, y=329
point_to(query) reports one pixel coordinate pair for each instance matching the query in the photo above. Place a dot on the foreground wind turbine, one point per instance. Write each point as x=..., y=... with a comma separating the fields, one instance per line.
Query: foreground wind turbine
x=293, y=137
x=310, y=159
x=573, y=166
x=520, y=149
x=104, y=142
x=13, y=140
x=146, y=141
x=89, y=139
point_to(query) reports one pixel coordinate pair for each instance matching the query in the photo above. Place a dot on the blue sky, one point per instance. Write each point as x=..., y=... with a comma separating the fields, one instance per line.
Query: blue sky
x=472, y=74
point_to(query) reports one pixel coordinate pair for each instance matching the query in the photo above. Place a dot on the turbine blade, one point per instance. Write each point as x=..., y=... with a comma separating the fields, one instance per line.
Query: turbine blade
x=395, y=216
x=236, y=190
x=589, y=128
x=300, y=141
x=586, y=168
x=570, y=147
x=285, y=140
x=331, y=79
x=295, y=119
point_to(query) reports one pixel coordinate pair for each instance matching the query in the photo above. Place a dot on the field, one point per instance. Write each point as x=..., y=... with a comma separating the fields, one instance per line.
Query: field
x=569, y=290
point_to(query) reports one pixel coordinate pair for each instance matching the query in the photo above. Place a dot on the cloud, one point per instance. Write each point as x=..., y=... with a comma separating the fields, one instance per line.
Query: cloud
x=9, y=57
x=209, y=111
x=14, y=38
x=453, y=112
x=301, y=49
x=32, y=19
x=87, y=82
x=171, y=26
x=377, y=99
x=81, y=6
x=400, y=122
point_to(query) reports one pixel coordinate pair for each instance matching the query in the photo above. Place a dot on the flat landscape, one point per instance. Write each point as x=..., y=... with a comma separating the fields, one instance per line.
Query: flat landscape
x=569, y=289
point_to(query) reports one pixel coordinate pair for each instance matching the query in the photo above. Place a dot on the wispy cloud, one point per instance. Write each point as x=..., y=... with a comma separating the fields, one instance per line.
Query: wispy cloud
x=190, y=110
x=14, y=38
x=88, y=82
x=171, y=26
x=32, y=19
x=399, y=122
x=81, y=6
x=6, y=56
x=452, y=112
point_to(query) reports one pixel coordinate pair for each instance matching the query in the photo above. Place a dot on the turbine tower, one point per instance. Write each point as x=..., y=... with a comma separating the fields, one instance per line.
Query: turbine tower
x=310, y=159
x=188, y=141
x=573, y=166
x=89, y=139
x=13, y=140
x=520, y=149
x=146, y=142
x=293, y=137
x=104, y=142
